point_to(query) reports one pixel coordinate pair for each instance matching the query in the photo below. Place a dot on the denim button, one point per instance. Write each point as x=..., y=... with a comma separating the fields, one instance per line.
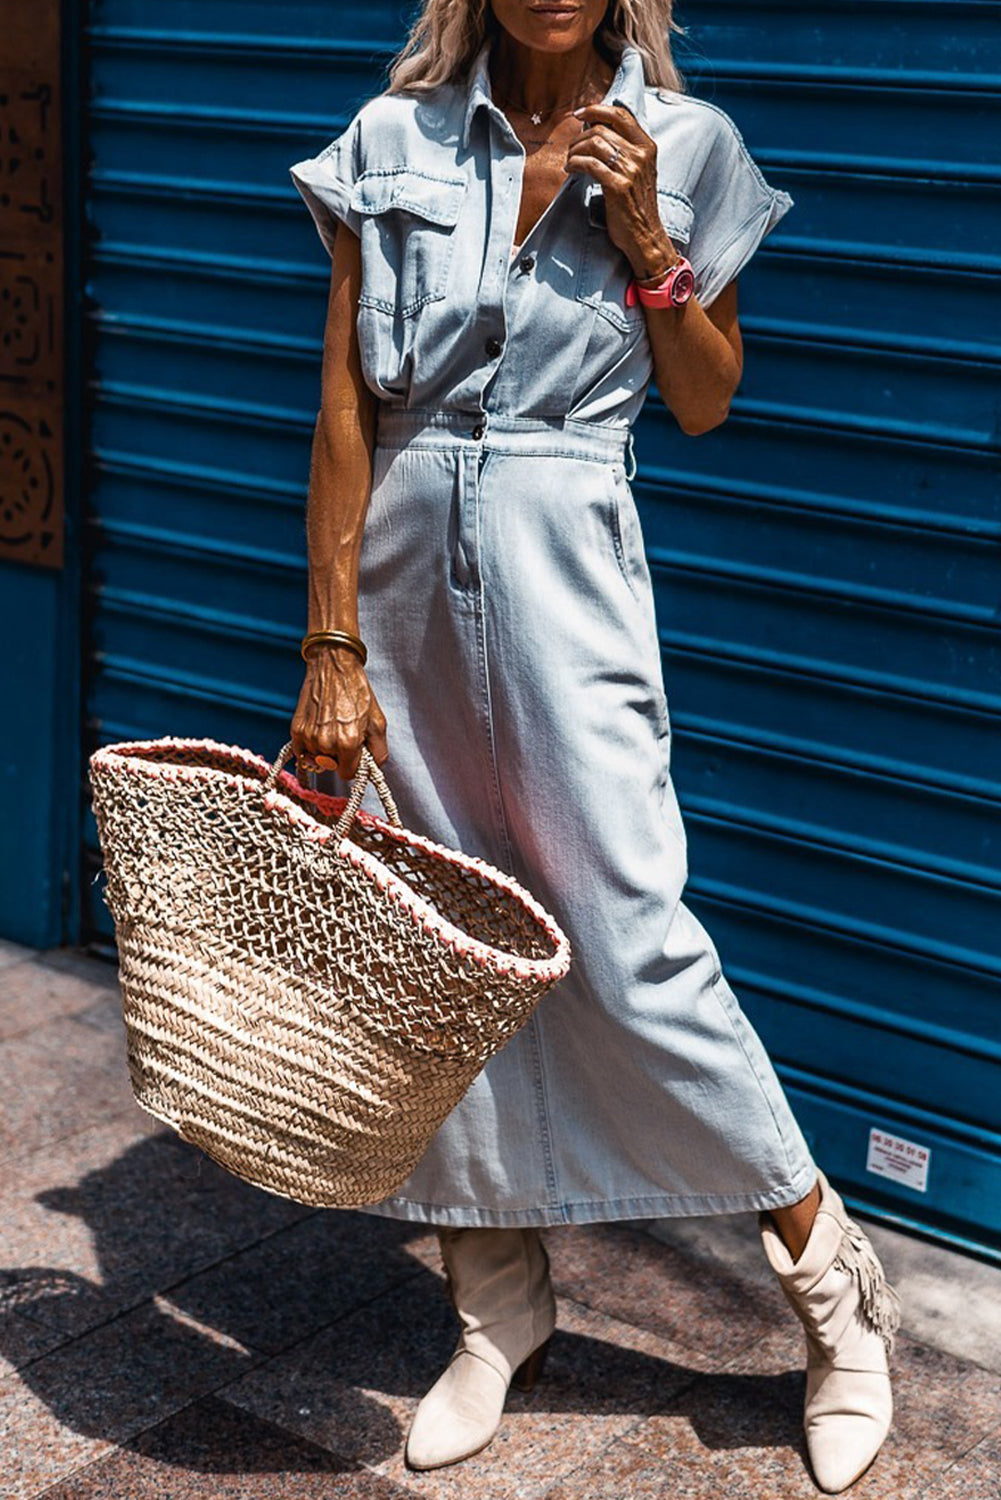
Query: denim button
x=527, y=262
x=493, y=347
x=478, y=430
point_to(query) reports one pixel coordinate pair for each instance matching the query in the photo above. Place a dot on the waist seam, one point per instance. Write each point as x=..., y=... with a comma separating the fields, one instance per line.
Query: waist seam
x=554, y=434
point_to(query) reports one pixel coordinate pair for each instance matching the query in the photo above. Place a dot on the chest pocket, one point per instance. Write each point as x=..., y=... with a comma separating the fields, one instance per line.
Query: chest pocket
x=407, y=235
x=605, y=272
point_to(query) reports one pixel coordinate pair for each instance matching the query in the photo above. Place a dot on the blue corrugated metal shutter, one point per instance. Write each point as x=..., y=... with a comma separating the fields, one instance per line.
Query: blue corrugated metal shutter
x=825, y=563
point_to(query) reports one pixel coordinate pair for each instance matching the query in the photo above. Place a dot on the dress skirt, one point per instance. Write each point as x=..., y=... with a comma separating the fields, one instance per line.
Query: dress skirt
x=506, y=602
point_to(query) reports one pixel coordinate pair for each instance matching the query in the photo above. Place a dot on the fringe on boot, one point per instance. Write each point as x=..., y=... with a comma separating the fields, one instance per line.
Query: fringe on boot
x=880, y=1305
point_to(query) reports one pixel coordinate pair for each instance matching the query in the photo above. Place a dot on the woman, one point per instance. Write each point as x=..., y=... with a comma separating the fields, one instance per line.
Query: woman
x=497, y=221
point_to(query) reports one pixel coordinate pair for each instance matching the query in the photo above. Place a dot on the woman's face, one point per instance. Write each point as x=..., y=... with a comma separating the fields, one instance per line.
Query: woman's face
x=550, y=25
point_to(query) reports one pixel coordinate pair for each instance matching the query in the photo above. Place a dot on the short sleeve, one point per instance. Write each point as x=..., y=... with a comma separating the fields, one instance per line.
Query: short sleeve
x=734, y=209
x=326, y=182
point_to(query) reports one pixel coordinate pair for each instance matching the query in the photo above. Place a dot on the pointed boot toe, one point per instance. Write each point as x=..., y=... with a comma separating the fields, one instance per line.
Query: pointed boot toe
x=459, y=1415
x=841, y=1448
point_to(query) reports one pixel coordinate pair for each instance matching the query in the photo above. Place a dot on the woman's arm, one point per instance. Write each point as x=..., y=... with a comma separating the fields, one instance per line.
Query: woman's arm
x=337, y=710
x=698, y=356
x=697, y=352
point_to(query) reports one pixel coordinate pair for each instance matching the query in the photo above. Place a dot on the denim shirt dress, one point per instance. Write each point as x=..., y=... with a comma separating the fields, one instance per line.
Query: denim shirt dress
x=506, y=601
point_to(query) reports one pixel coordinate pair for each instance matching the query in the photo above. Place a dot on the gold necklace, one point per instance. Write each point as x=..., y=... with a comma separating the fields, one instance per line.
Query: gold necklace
x=537, y=116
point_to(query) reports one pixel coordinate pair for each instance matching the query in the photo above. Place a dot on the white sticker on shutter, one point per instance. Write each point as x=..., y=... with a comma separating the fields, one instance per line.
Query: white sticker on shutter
x=903, y=1161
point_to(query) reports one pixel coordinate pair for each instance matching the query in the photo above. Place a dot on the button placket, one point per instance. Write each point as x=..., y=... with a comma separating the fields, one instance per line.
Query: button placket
x=492, y=306
x=493, y=290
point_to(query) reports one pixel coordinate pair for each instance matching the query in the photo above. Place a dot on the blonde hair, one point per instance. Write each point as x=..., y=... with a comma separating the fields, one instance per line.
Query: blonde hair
x=446, y=35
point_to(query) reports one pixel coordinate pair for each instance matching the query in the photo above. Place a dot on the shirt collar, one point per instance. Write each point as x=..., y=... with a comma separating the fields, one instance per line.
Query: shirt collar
x=627, y=87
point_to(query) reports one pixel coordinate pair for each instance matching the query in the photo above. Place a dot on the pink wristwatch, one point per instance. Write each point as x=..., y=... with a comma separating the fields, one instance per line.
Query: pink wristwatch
x=676, y=288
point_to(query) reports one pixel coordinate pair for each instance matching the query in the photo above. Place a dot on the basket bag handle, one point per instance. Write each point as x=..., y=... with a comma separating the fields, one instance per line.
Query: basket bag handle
x=368, y=769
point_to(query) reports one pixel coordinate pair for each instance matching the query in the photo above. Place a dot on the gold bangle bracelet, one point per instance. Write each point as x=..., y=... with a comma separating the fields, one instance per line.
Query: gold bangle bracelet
x=336, y=638
x=658, y=276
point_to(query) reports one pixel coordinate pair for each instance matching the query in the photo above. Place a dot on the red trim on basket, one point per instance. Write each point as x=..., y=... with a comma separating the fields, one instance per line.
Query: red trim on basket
x=133, y=757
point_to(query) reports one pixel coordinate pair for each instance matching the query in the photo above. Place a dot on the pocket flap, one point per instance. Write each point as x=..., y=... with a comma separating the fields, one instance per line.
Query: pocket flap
x=676, y=213
x=430, y=196
x=675, y=207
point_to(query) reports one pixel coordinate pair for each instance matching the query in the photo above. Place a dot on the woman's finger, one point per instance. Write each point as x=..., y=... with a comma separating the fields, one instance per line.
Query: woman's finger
x=348, y=763
x=599, y=170
x=609, y=132
x=618, y=116
x=377, y=745
x=610, y=143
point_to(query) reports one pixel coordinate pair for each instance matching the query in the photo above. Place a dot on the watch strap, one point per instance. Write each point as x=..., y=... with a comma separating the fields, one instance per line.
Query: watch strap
x=663, y=295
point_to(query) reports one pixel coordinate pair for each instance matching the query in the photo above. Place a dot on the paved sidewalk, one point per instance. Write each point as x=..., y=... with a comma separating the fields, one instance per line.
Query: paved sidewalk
x=168, y=1331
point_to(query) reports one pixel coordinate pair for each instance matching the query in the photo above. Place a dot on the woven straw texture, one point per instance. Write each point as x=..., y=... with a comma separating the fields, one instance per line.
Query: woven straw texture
x=308, y=989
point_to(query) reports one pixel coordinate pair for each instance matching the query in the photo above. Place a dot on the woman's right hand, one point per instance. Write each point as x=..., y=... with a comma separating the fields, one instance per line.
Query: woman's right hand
x=336, y=714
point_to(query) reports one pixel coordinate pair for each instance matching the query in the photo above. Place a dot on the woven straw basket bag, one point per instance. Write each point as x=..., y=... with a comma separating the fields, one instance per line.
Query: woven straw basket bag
x=308, y=989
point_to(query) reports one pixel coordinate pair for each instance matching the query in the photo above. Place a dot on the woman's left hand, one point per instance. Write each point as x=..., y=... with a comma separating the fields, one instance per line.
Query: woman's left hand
x=616, y=151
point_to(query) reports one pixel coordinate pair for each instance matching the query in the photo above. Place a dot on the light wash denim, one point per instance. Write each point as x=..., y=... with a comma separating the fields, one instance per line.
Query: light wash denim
x=506, y=600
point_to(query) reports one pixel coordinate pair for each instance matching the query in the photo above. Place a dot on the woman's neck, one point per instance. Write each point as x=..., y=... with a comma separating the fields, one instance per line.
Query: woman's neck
x=542, y=82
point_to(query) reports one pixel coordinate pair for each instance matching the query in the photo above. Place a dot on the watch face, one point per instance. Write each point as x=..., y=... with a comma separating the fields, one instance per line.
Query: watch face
x=683, y=285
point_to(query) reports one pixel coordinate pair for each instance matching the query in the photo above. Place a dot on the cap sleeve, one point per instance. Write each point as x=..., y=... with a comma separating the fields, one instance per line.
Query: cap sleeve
x=734, y=209
x=326, y=182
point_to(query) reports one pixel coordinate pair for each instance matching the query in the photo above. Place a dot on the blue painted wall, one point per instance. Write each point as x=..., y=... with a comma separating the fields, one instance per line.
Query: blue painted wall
x=39, y=755
x=826, y=564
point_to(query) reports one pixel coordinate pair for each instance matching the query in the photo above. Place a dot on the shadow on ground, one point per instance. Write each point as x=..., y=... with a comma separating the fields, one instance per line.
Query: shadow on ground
x=205, y=1281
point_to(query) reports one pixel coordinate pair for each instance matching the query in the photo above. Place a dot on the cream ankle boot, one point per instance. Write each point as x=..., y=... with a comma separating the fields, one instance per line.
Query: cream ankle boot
x=498, y=1280
x=840, y=1294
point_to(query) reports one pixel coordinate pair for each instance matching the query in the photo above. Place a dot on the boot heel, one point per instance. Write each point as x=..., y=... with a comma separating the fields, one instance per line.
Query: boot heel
x=530, y=1369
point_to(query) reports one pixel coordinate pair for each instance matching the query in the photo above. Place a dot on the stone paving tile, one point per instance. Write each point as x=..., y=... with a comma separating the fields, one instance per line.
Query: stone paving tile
x=100, y=971
x=950, y=1301
x=33, y=992
x=50, y=1256
x=99, y=1220
x=38, y=1449
x=345, y=1386
x=630, y=1275
x=277, y=1292
x=943, y=1405
x=627, y=1472
x=974, y=1476
x=738, y=1431
x=69, y=1407
x=59, y=1079
x=353, y=1389
x=22, y=1340
x=218, y=1452
x=15, y=953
